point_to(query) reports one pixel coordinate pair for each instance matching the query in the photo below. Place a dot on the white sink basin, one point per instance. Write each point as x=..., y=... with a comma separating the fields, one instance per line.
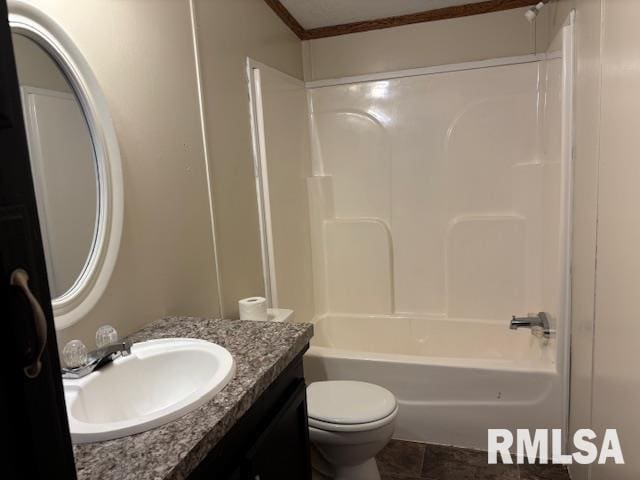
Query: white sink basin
x=160, y=381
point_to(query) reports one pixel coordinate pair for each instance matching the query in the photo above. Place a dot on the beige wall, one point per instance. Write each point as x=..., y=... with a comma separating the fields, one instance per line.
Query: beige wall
x=604, y=387
x=480, y=37
x=228, y=32
x=616, y=378
x=142, y=54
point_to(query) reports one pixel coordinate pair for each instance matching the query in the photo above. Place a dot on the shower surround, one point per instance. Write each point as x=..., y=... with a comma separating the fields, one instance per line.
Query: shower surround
x=439, y=206
x=438, y=195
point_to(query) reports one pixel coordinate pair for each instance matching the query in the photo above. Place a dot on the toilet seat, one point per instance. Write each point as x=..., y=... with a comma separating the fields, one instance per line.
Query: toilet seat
x=349, y=406
x=352, y=427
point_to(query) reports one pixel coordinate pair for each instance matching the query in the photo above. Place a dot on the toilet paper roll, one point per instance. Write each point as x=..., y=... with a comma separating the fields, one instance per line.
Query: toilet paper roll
x=253, y=308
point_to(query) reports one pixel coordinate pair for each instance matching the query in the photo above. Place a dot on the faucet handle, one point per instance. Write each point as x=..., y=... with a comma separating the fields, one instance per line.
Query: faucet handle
x=75, y=354
x=106, y=335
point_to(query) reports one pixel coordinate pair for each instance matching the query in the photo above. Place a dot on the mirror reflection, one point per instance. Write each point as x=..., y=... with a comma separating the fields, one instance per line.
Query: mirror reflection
x=63, y=163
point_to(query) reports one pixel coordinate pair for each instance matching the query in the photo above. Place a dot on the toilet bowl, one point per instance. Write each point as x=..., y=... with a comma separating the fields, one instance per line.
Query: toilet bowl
x=349, y=423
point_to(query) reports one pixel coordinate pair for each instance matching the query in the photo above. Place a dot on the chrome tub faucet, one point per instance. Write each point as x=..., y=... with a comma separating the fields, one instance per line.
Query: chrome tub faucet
x=539, y=324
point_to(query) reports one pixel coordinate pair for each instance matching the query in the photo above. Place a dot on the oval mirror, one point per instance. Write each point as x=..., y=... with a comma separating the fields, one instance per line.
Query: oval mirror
x=75, y=162
x=63, y=165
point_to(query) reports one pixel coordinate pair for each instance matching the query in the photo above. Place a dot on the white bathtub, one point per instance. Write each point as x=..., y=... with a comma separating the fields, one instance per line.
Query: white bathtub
x=454, y=379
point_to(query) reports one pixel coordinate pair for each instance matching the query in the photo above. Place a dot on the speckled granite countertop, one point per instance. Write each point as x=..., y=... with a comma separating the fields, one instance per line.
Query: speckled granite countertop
x=262, y=350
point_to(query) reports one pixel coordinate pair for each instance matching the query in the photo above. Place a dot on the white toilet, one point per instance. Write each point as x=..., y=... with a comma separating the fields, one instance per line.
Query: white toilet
x=349, y=423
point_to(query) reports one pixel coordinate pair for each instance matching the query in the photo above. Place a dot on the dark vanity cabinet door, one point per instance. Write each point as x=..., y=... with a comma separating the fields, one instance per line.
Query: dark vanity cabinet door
x=282, y=450
x=270, y=441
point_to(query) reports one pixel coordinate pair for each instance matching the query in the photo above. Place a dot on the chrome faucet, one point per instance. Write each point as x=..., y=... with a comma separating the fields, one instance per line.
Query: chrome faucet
x=539, y=323
x=98, y=359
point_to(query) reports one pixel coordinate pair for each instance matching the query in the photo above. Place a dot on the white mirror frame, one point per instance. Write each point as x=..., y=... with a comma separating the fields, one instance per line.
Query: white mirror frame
x=73, y=305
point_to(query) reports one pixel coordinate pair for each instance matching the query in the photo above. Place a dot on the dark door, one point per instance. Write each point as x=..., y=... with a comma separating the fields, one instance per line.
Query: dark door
x=36, y=442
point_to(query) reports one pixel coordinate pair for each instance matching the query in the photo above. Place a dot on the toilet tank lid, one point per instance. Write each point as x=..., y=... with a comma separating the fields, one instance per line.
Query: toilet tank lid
x=349, y=402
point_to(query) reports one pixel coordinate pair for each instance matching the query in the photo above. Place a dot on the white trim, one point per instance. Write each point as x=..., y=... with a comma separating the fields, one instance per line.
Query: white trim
x=262, y=179
x=75, y=304
x=205, y=151
x=414, y=72
x=259, y=196
x=568, y=142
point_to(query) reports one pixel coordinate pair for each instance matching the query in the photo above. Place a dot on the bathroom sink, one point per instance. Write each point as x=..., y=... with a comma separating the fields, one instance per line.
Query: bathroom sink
x=158, y=382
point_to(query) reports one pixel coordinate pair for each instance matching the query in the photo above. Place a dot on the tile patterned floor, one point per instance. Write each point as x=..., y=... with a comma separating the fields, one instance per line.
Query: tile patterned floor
x=417, y=461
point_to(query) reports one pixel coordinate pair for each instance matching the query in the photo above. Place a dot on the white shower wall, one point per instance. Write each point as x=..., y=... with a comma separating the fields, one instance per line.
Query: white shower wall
x=439, y=194
x=281, y=142
x=438, y=206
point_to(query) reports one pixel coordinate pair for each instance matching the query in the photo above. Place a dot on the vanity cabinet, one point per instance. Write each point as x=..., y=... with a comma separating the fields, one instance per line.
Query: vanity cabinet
x=270, y=441
x=282, y=450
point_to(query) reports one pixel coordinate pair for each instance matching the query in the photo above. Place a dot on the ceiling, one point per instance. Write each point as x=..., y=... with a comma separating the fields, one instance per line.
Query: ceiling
x=323, y=13
x=310, y=19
